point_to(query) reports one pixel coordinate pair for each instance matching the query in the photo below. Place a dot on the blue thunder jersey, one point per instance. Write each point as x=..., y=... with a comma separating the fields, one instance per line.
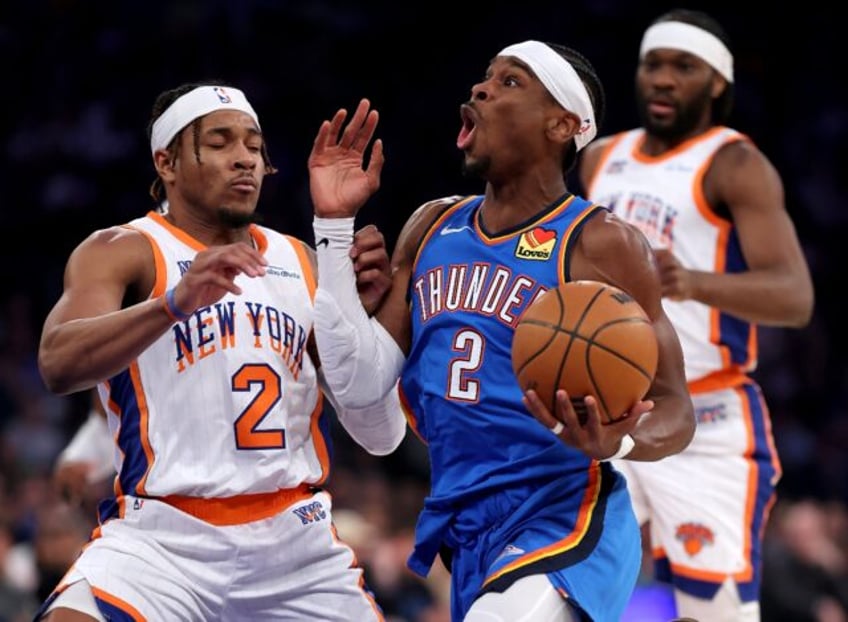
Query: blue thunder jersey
x=491, y=460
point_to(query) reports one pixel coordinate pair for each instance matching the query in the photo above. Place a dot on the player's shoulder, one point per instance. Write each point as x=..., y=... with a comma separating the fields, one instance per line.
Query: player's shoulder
x=115, y=238
x=420, y=222
x=434, y=207
x=739, y=158
x=426, y=214
x=608, y=235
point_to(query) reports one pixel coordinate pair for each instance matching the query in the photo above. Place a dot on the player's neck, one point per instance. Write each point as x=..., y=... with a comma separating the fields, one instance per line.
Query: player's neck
x=654, y=144
x=506, y=206
x=205, y=231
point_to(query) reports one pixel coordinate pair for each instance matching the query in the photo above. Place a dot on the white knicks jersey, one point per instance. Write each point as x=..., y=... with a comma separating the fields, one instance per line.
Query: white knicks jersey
x=227, y=402
x=663, y=196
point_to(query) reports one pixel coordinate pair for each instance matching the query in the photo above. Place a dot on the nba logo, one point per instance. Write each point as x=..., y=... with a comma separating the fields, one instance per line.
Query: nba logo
x=222, y=95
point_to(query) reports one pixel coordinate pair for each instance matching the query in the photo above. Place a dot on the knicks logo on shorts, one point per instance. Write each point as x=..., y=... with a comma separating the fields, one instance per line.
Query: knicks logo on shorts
x=537, y=244
x=694, y=537
x=310, y=513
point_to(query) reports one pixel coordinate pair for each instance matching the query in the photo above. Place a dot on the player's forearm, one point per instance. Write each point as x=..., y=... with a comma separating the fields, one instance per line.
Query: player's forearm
x=360, y=360
x=666, y=430
x=770, y=298
x=379, y=428
x=77, y=354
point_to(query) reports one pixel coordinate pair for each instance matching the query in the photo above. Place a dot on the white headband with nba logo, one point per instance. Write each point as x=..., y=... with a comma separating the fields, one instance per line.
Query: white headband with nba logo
x=194, y=104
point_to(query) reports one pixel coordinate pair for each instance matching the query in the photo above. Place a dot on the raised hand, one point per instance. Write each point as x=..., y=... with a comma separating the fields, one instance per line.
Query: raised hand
x=213, y=272
x=339, y=180
x=676, y=280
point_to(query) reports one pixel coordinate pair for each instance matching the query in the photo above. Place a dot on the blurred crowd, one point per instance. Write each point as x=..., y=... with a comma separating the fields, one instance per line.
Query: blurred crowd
x=75, y=159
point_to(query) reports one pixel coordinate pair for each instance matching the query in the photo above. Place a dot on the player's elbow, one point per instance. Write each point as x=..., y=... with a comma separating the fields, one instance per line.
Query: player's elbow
x=686, y=431
x=54, y=378
x=58, y=376
x=682, y=426
x=385, y=447
x=802, y=311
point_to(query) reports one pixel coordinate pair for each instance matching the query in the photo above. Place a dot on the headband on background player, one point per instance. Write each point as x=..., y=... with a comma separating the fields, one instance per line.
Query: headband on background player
x=688, y=38
x=561, y=80
x=196, y=103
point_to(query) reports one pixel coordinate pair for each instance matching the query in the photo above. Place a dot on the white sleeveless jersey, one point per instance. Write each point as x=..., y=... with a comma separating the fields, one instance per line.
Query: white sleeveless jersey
x=227, y=402
x=663, y=196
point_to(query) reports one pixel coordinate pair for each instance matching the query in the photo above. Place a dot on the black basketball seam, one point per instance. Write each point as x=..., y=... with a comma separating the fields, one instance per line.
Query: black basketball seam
x=577, y=324
x=547, y=343
x=565, y=354
x=590, y=343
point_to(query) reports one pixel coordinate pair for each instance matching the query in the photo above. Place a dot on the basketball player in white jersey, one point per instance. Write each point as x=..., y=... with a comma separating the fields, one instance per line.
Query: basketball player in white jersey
x=195, y=325
x=712, y=206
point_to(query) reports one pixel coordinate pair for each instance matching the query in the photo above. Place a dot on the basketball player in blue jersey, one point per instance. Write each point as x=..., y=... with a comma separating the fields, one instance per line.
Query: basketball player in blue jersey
x=525, y=507
x=712, y=206
x=196, y=326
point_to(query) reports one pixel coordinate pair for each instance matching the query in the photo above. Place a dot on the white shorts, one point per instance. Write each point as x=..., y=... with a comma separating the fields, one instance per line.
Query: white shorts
x=708, y=505
x=160, y=563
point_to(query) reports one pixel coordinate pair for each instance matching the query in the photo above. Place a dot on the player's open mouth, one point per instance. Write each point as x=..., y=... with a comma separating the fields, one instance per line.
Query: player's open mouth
x=466, y=132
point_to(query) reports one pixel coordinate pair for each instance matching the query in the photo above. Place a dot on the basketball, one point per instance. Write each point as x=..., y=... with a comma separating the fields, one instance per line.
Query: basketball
x=589, y=338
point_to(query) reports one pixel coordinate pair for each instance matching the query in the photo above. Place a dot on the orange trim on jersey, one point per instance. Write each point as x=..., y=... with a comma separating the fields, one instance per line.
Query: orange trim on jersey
x=181, y=235
x=159, y=268
x=644, y=158
x=239, y=509
x=753, y=477
x=118, y=604
x=581, y=526
x=606, y=152
x=407, y=412
x=320, y=445
x=354, y=564
x=727, y=378
x=566, y=238
x=259, y=239
x=305, y=265
x=491, y=241
x=437, y=223
x=699, y=575
x=143, y=424
x=724, y=228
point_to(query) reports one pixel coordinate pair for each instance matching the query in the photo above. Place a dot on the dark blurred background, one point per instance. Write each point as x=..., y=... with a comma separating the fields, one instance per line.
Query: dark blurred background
x=81, y=77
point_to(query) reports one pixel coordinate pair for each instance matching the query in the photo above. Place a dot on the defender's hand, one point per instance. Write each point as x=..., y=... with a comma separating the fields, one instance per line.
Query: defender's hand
x=372, y=267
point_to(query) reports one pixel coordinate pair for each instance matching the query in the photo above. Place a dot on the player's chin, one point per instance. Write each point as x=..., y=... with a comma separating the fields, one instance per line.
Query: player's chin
x=235, y=215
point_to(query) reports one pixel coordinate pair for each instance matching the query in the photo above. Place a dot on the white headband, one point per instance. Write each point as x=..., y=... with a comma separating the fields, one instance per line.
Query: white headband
x=561, y=80
x=689, y=38
x=194, y=104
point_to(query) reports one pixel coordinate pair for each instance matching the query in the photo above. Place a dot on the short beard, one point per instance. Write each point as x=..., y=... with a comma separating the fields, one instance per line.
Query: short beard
x=232, y=219
x=477, y=169
x=686, y=117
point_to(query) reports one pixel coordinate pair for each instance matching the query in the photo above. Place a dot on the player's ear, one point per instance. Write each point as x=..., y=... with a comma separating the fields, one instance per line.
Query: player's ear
x=718, y=86
x=562, y=126
x=163, y=161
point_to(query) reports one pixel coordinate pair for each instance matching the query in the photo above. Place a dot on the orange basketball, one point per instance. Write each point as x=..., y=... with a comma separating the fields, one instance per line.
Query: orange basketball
x=588, y=338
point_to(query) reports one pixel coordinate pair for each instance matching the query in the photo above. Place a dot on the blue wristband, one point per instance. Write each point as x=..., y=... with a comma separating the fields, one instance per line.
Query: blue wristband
x=171, y=308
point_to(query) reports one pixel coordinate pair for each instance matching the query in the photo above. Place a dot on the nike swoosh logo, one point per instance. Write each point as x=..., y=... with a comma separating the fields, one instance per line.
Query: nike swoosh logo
x=323, y=242
x=449, y=230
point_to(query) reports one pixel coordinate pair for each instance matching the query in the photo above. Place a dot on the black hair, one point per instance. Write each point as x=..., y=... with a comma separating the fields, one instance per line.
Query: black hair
x=160, y=105
x=593, y=85
x=723, y=104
